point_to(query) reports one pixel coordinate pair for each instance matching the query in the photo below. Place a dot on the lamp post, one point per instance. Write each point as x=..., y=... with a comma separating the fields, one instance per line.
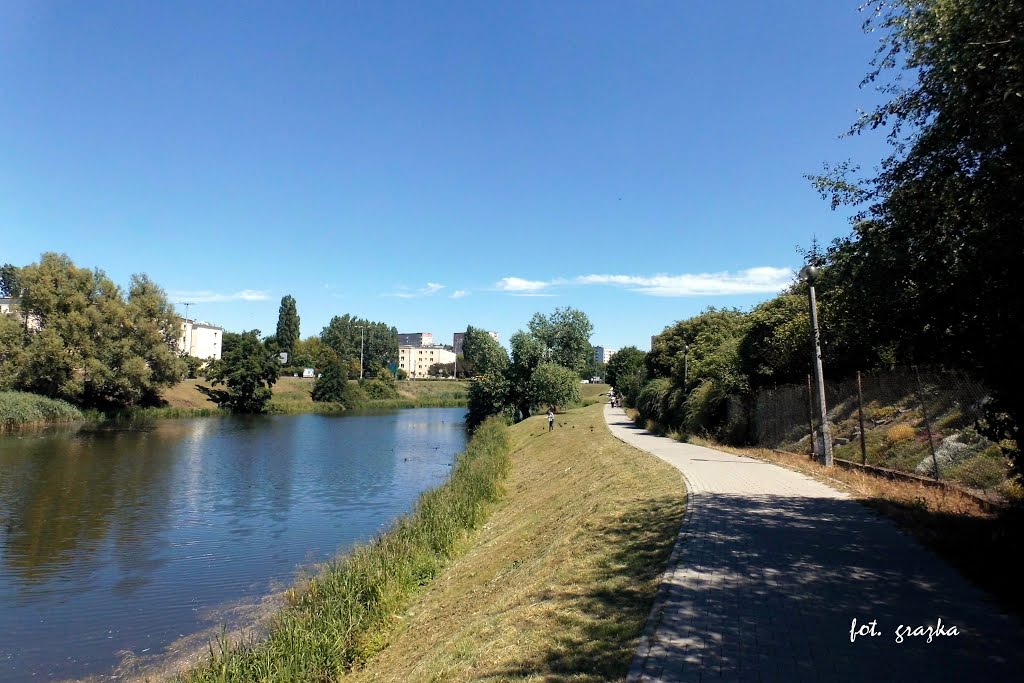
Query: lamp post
x=686, y=365
x=361, y=329
x=809, y=273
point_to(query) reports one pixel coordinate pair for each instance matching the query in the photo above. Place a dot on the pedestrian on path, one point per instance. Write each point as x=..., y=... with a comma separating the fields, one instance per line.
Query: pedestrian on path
x=551, y=418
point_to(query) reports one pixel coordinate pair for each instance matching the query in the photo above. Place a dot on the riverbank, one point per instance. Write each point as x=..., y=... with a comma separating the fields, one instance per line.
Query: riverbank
x=293, y=395
x=343, y=616
x=21, y=410
x=556, y=584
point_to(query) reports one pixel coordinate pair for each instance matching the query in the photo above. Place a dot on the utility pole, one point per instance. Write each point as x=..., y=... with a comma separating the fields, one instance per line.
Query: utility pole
x=810, y=274
x=361, y=329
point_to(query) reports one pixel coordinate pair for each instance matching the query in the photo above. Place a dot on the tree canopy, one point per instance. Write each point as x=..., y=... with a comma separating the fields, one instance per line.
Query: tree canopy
x=287, y=333
x=83, y=340
x=248, y=370
x=379, y=343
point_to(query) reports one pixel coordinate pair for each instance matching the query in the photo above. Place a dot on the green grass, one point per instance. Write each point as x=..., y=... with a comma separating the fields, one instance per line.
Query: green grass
x=342, y=618
x=20, y=409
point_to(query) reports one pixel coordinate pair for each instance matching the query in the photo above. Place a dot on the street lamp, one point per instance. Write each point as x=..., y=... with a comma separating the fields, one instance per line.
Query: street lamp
x=361, y=328
x=809, y=274
x=188, y=343
x=686, y=365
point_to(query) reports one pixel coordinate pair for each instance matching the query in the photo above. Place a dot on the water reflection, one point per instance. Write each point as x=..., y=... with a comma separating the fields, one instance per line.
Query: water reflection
x=119, y=539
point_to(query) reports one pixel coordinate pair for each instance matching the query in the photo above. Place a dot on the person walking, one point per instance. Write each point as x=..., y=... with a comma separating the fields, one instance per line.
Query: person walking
x=551, y=418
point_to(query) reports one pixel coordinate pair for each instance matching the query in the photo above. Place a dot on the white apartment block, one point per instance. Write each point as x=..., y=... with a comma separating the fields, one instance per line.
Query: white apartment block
x=200, y=339
x=602, y=354
x=416, y=360
x=415, y=339
x=9, y=306
x=459, y=337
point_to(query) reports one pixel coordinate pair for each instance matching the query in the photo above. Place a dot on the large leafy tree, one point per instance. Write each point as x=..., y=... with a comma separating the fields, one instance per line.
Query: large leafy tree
x=87, y=343
x=565, y=335
x=938, y=235
x=484, y=351
x=248, y=371
x=287, y=333
x=626, y=372
x=379, y=343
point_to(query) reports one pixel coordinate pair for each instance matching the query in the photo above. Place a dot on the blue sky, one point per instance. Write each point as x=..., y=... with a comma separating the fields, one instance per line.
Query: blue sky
x=431, y=164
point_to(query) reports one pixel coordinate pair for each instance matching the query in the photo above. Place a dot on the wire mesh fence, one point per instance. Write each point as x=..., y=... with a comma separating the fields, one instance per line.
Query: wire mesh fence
x=919, y=422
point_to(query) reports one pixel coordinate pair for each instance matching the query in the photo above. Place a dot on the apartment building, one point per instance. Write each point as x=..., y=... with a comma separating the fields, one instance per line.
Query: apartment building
x=415, y=339
x=200, y=339
x=416, y=360
x=603, y=354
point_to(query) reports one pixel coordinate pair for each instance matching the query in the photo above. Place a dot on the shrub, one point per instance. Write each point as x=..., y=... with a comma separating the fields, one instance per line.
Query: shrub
x=18, y=408
x=981, y=471
x=376, y=389
x=652, y=402
x=899, y=433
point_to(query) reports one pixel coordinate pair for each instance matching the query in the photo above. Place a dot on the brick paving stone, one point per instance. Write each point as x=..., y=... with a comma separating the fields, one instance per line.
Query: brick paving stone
x=769, y=569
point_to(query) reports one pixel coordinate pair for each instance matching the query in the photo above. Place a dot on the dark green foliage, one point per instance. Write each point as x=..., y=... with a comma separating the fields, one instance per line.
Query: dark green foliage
x=331, y=384
x=382, y=386
x=626, y=372
x=483, y=351
x=84, y=341
x=287, y=326
x=248, y=371
x=931, y=270
x=10, y=281
x=379, y=343
x=565, y=336
x=554, y=385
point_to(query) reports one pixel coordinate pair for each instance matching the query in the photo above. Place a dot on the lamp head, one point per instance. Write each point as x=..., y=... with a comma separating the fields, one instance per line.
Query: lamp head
x=809, y=273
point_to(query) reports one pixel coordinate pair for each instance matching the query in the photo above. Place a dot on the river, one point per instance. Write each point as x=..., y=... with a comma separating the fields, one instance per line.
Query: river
x=117, y=541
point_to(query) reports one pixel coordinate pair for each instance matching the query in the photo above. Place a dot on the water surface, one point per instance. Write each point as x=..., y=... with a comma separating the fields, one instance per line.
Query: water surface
x=124, y=539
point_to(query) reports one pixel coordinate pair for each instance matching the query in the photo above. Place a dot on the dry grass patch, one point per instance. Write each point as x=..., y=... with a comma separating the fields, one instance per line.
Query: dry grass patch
x=560, y=581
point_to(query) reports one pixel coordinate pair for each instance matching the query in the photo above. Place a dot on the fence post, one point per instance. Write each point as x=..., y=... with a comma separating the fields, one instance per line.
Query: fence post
x=927, y=423
x=860, y=416
x=810, y=418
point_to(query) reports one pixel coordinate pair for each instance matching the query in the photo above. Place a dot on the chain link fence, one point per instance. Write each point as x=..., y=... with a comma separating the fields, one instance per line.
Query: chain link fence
x=918, y=422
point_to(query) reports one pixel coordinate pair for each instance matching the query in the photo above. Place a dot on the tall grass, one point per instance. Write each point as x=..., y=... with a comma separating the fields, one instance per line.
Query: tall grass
x=21, y=409
x=344, y=617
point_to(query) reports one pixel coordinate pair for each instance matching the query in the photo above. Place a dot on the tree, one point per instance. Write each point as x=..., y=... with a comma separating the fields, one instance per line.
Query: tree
x=10, y=281
x=776, y=346
x=89, y=344
x=625, y=371
x=248, y=371
x=554, y=385
x=287, y=333
x=441, y=370
x=330, y=385
x=565, y=335
x=484, y=351
x=378, y=341
x=937, y=241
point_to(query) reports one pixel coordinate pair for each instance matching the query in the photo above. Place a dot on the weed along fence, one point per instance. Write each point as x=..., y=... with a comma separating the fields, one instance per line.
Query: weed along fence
x=921, y=423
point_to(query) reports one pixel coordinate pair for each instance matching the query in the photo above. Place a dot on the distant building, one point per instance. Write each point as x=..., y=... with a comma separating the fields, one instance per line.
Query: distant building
x=200, y=339
x=602, y=354
x=416, y=360
x=415, y=339
x=459, y=337
x=33, y=322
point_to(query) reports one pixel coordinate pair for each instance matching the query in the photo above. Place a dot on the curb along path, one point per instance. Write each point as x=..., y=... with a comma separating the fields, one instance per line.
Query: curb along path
x=771, y=567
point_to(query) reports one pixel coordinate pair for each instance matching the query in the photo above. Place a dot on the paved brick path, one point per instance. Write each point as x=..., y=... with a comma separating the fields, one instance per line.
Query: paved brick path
x=771, y=566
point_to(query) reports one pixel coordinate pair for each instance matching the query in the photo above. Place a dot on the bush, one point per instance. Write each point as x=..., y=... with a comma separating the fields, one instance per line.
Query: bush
x=899, y=433
x=376, y=389
x=652, y=403
x=981, y=471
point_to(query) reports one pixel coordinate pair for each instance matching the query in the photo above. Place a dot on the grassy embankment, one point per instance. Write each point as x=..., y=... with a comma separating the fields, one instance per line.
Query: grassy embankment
x=292, y=395
x=23, y=410
x=556, y=585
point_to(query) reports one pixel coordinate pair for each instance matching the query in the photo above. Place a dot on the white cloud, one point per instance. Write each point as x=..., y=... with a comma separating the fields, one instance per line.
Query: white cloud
x=405, y=293
x=459, y=293
x=208, y=297
x=761, y=280
x=518, y=284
